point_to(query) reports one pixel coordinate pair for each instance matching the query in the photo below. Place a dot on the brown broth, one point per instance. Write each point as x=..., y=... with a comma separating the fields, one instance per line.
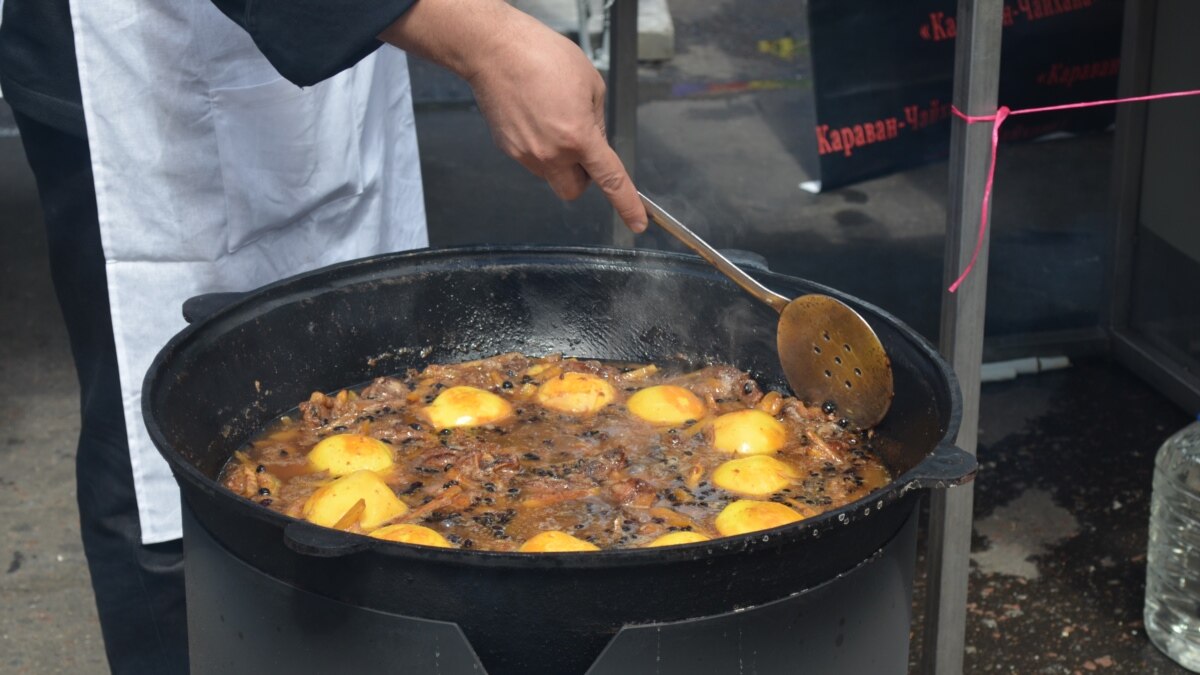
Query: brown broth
x=608, y=478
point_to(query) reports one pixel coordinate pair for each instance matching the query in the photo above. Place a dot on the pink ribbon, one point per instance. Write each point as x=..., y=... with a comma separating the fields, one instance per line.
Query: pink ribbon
x=997, y=119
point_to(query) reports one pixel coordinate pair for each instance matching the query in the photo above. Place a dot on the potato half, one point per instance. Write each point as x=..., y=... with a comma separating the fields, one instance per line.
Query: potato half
x=755, y=475
x=576, y=393
x=748, y=515
x=553, y=541
x=407, y=533
x=464, y=406
x=346, y=453
x=329, y=503
x=748, y=432
x=666, y=404
x=676, y=538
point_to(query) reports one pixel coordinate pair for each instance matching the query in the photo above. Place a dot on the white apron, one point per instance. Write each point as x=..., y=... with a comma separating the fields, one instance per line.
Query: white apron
x=214, y=174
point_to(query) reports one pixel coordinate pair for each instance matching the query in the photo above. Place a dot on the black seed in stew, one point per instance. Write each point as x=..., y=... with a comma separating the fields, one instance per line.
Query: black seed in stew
x=260, y=468
x=445, y=432
x=415, y=426
x=264, y=491
x=533, y=457
x=829, y=408
x=507, y=384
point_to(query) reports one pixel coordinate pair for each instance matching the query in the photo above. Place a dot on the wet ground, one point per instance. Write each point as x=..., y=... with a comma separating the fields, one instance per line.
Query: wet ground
x=1063, y=493
x=1061, y=510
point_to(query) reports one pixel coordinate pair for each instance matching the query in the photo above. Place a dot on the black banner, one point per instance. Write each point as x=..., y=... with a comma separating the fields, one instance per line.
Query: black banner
x=883, y=72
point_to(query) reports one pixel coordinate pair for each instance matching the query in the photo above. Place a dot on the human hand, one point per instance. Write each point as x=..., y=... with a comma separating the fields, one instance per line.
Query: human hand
x=541, y=97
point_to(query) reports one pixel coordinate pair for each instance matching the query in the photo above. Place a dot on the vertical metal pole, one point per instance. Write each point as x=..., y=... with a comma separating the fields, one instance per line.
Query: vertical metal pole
x=976, y=80
x=622, y=98
x=1129, y=147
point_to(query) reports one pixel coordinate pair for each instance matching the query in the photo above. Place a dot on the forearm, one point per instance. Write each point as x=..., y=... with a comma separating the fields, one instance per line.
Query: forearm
x=542, y=98
x=457, y=34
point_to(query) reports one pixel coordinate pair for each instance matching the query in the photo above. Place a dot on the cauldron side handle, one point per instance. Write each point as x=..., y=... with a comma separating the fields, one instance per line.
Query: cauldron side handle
x=322, y=542
x=201, y=307
x=948, y=466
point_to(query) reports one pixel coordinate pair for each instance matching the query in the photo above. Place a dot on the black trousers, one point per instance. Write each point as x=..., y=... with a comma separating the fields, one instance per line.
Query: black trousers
x=139, y=589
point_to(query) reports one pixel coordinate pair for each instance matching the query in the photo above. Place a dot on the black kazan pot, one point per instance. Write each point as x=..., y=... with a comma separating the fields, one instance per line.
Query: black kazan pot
x=827, y=595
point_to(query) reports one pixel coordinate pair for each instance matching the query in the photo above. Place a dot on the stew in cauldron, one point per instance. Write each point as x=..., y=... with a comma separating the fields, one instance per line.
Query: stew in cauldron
x=517, y=453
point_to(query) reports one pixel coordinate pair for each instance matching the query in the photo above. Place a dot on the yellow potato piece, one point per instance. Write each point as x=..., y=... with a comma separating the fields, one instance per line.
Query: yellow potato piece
x=576, y=393
x=553, y=541
x=748, y=432
x=676, y=538
x=748, y=515
x=467, y=407
x=411, y=534
x=755, y=475
x=666, y=404
x=329, y=503
x=346, y=453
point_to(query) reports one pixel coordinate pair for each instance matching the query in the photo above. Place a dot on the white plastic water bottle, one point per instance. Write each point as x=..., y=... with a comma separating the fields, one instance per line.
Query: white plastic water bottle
x=1172, y=612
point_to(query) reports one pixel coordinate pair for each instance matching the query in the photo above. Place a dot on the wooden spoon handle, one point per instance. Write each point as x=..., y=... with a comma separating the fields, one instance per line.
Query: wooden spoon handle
x=713, y=256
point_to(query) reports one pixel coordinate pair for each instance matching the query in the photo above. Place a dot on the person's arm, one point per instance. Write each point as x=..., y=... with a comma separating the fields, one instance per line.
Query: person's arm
x=542, y=98
x=309, y=41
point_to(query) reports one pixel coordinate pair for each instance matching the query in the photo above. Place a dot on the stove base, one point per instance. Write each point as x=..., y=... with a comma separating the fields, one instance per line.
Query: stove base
x=241, y=621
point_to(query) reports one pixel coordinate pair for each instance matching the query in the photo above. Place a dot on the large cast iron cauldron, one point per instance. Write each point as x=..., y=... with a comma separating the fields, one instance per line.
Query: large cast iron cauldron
x=266, y=590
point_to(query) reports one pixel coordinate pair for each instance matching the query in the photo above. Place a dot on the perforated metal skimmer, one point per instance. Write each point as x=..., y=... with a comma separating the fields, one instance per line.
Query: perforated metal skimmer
x=829, y=353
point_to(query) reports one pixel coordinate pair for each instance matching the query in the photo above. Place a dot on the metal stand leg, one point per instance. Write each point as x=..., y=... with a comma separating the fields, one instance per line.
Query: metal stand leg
x=622, y=98
x=976, y=80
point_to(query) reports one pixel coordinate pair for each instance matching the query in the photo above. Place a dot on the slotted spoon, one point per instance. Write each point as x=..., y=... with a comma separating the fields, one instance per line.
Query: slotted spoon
x=829, y=353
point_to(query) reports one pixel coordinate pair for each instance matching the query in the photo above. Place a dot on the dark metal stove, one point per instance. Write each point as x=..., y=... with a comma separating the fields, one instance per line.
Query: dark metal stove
x=244, y=622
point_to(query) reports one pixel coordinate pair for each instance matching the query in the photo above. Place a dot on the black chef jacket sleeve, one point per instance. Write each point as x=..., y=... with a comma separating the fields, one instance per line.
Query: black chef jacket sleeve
x=311, y=40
